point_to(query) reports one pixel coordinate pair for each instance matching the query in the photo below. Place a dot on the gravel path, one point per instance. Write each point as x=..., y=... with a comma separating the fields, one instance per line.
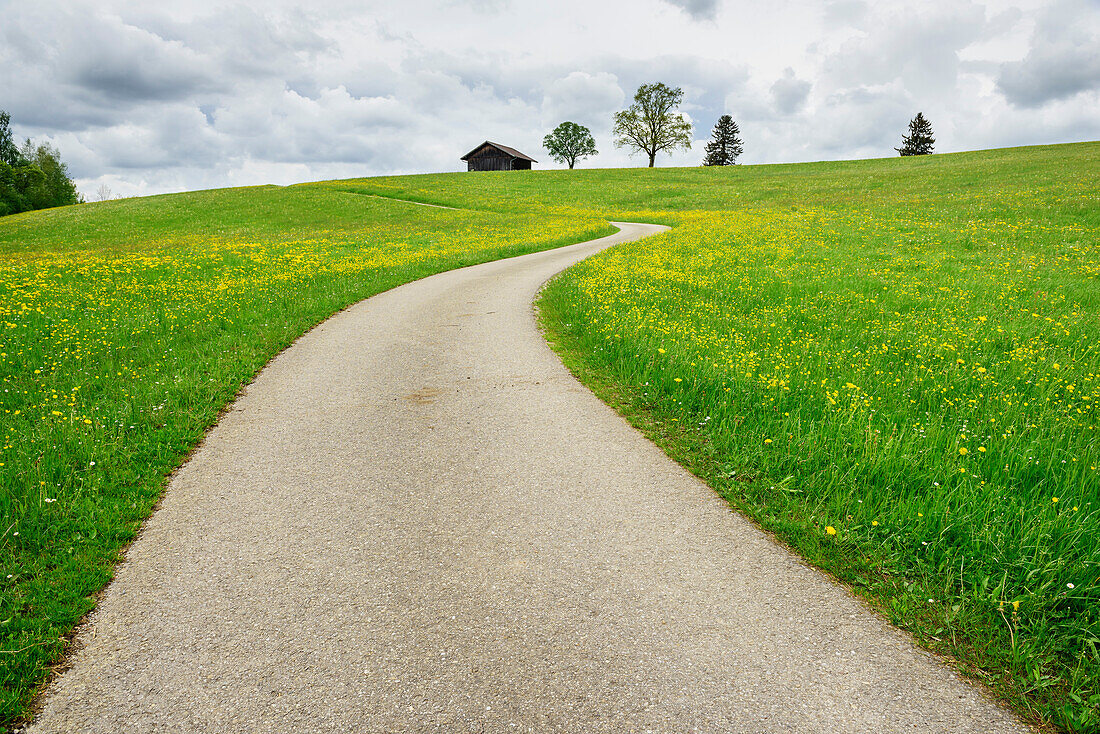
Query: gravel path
x=416, y=520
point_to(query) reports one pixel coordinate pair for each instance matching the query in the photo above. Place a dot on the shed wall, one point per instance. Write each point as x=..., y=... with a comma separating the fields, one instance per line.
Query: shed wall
x=490, y=160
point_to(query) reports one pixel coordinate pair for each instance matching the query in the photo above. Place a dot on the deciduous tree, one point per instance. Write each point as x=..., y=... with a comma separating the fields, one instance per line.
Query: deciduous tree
x=33, y=177
x=570, y=142
x=58, y=188
x=652, y=123
x=725, y=144
x=919, y=140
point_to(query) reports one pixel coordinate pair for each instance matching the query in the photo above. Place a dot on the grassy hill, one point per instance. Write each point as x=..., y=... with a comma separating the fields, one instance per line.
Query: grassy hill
x=891, y=364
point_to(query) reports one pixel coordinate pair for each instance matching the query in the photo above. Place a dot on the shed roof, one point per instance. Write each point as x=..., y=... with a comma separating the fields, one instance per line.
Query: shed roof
x=510, y=151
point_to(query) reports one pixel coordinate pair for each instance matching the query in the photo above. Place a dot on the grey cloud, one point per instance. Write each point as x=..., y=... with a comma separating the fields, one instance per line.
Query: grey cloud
x=93, y=71
x=490, y=70
x=789, y=93
x=1064, y=58
x=483, y=6
x=129, y=74
x=284, y=126
x=583, y=98
x=866, y=120
x=698, y=9
x=123, y=62
x=243, y=42
x=921, y=50
x=167, y=136
x=844, y=12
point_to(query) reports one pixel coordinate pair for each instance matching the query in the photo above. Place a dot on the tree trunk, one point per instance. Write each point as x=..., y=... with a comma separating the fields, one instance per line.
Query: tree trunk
x=570, y=165
x=651, y=157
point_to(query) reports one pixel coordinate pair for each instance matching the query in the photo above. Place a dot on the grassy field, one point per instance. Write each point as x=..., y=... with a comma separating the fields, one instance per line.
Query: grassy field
x=891, y=364
x=126, y=326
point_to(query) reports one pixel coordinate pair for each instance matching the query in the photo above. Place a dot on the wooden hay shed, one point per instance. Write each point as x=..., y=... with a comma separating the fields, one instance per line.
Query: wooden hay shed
x=496, y=157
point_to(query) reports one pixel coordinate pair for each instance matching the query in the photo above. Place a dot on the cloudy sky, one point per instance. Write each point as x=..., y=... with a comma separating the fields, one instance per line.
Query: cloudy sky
x=153, y=97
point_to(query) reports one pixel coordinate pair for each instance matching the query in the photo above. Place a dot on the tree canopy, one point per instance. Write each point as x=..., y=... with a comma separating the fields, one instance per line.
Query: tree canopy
x=651, y=123
x=569, y=142
x=919, y=140
x=31, y=177
x=725, y=144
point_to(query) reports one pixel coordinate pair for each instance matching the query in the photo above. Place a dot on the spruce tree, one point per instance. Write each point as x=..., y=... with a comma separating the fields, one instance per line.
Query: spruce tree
x=725, y=145
x=919, y=140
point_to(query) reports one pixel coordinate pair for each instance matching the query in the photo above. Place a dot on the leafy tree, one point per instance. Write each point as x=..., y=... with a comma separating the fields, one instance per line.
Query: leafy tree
x=12, y=200
x=37, y=180
x=919, y=140
x=570, y=141
x=31, y=183
x=725, y=145
x=59, y=188
x=8, y=152
x=650, y=125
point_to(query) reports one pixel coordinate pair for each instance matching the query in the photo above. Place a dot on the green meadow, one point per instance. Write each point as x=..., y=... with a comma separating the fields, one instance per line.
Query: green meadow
x=890, y=364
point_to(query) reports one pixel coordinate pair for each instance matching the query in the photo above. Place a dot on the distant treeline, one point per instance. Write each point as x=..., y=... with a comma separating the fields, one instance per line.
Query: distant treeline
x=32, y=176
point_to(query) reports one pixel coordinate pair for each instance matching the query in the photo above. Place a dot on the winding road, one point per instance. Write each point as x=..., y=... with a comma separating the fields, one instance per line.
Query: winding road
x=415, y=519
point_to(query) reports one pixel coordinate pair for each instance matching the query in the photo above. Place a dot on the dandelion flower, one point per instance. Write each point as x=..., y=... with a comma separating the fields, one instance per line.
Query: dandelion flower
x=963, y=451
x=830, y=530
x=874, y=523
x=1054, y=500
x=982, y=449
x=1015, y=606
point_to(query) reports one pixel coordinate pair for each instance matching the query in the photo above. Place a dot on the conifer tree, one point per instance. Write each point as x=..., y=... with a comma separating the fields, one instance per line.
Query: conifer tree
x=725, y=145
x=919, y=140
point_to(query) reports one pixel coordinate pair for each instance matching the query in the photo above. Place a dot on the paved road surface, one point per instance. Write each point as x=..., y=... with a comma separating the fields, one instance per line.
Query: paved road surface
x=416, y=520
